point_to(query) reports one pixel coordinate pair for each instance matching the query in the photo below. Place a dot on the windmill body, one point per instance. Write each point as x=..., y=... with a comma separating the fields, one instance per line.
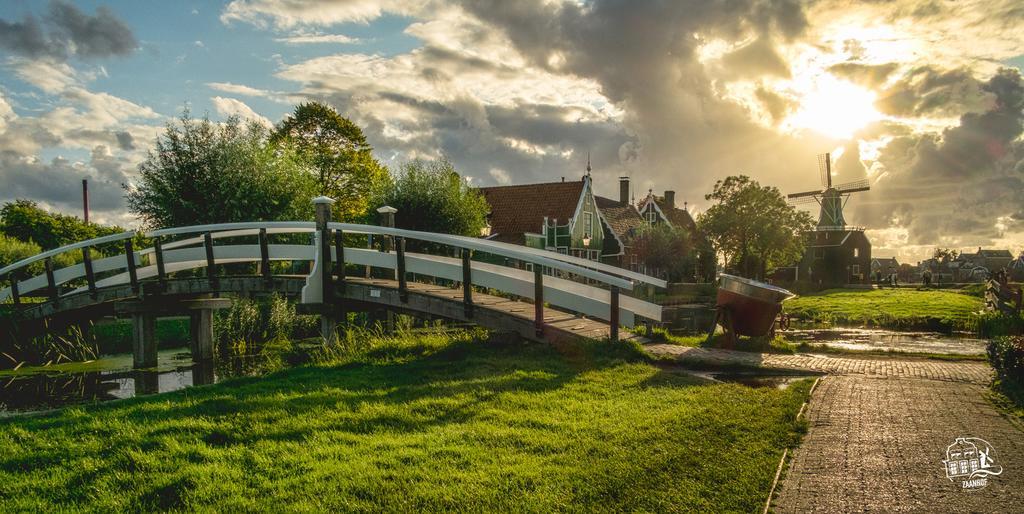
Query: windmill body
x=837, y=254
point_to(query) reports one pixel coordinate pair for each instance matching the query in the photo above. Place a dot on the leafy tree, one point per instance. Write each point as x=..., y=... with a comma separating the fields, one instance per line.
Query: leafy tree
x=337, y=152
x=201, y=172
x=431, y=196
x=753, y=227
x=25, y=221
x=668, y=249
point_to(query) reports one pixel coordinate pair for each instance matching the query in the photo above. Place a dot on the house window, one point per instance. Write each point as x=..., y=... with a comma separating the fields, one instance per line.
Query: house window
x=856, y=253
x=855, y=269
x=652, y=217
x=588, y=224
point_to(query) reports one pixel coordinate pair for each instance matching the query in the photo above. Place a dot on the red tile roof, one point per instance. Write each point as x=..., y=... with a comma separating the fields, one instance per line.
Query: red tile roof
x=622, y=218
x=518, y=209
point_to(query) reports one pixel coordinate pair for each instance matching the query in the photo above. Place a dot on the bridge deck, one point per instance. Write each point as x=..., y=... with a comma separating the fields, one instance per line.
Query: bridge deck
x=557, y=323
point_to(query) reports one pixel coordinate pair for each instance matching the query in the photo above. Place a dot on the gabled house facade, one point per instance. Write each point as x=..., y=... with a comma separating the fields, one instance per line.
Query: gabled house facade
x=561, y=217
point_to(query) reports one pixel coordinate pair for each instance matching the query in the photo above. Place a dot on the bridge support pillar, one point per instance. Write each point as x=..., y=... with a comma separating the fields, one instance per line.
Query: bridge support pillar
x=329, y=327
x=201, y=328
x=143, y=340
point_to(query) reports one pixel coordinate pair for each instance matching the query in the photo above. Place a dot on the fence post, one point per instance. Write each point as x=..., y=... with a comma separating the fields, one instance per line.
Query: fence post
x=323, y=217
x=538, y=299
x=467, y=282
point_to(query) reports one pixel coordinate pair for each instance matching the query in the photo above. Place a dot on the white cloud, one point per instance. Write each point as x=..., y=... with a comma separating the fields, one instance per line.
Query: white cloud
x=243, y=90
x=291, y=13
x=500, y=176
x=307, y=39
x=49, y=76
x=233, y=107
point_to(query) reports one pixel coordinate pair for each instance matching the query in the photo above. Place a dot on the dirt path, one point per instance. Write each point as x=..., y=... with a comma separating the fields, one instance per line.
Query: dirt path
x=878, y=433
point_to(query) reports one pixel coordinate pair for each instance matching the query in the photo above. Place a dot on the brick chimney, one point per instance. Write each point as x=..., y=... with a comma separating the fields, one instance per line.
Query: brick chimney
x=624, y=189
x=670, y=199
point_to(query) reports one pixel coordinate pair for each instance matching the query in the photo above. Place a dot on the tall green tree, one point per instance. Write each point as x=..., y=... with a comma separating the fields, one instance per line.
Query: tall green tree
x=337, y=153
x=667, y=249
x=433, y=197
x=202, y=172
x=24, y=220
x=753, y=227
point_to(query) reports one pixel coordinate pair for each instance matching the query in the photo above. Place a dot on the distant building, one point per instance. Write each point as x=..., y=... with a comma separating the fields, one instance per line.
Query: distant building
x=884, y=265
x=836, y=256
x=992, y=260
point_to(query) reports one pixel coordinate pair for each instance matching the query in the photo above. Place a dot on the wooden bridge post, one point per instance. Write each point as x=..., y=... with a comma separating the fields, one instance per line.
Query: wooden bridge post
x=264, y=255
x=211, y=269
x=144, y=340
x=538, y=299
x=15, y=293
x=328, y=319
x=403, y=285
x=90, y=277
x=467, y=282
x=51, y=283
x=133, y=276
x=339, y=258
x=161, y=270
x=613, y=318
x=201, y=330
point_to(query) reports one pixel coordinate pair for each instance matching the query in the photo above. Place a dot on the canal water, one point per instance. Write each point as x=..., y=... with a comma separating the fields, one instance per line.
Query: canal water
x=111, y=377
x=889, y=340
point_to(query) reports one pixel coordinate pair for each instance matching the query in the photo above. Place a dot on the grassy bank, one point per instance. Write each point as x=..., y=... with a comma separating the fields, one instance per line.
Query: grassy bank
x=900, y=309
x=425, y=423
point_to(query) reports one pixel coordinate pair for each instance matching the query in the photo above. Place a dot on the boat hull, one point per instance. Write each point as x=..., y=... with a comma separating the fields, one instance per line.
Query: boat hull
x=752, y=306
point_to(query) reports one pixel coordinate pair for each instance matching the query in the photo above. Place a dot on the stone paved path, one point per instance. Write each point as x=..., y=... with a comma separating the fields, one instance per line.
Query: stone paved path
x=878, y=432
x=975, y=372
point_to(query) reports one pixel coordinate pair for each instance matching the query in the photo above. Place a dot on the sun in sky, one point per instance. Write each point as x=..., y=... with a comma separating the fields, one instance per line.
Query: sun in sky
x=832, y=107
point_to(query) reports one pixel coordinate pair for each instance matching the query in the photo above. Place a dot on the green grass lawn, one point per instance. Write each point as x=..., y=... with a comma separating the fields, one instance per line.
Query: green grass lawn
x=422, y=423
x=889, y=308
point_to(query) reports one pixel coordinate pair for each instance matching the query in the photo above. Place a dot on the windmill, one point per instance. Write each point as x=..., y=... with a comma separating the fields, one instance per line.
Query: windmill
x=832, y=199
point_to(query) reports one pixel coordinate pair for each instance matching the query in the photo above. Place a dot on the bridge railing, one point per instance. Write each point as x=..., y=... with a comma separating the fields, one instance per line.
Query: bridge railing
x=553, y=279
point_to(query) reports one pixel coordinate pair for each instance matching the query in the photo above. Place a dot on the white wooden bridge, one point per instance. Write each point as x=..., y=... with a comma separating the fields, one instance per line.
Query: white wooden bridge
x=196, y=269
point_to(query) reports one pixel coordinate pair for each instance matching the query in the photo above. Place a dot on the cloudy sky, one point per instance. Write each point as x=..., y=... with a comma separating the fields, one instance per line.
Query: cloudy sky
x=922, y=97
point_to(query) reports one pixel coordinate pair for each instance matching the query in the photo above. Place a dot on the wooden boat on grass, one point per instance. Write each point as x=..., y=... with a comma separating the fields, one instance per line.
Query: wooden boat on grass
x=747, y=307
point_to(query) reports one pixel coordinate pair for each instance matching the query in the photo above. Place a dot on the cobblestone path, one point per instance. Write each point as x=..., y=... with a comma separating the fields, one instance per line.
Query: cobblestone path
x=878, y=432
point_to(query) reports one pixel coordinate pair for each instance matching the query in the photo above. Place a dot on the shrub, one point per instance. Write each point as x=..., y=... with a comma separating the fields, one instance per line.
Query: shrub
x=258, y=321
x=1006, y=354
x=996, y=324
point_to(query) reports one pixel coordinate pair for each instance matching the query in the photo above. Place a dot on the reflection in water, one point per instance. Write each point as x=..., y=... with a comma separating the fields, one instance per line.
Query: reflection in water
x=112, y=378
x=888, y=340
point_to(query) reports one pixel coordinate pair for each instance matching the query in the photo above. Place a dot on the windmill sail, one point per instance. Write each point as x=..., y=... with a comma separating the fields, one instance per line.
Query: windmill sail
x=830, y=198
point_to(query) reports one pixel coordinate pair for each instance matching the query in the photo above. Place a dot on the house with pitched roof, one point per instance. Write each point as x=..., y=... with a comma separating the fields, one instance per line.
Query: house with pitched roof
x=558, y=216
x=568, y=218
x=662, y=209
